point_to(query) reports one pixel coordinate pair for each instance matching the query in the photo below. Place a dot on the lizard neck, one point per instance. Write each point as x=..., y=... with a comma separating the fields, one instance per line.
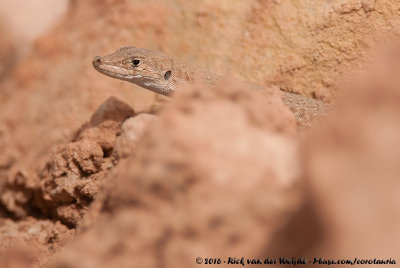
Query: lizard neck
x=184, y=74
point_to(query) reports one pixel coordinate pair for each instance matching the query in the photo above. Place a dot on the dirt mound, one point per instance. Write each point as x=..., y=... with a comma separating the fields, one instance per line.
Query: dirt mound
x=187, y=184
x=72, y=177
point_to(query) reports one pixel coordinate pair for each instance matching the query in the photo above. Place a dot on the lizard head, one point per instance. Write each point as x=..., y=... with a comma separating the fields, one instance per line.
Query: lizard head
x=143, y=67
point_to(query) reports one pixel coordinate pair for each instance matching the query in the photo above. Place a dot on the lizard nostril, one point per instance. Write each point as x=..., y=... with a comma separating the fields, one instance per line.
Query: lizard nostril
x=97, y=61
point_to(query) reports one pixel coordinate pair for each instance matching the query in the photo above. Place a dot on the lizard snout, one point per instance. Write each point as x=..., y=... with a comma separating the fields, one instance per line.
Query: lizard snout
x=96, y=61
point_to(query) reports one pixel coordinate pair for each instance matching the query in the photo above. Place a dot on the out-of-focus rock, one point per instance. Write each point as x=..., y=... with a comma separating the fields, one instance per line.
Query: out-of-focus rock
x=8, y=54
x=132, y=131
x=353, y=167
x=20, y=257
x=22, y=243
x=219, y=164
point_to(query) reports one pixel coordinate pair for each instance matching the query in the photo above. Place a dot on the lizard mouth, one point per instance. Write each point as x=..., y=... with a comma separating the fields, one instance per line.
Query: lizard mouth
x=110, y=69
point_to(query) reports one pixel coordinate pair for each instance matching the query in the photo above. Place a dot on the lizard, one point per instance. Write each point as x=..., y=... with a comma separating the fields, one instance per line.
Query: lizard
x=164, y=75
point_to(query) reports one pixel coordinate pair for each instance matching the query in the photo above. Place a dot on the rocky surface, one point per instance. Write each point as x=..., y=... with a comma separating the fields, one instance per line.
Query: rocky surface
x=8, y=52
x=355, y=176
x=219, y=173
x=186, y=184
x=31, y=242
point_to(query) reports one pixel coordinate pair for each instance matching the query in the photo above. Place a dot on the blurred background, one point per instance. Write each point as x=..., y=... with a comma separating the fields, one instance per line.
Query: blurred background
x=26, y=20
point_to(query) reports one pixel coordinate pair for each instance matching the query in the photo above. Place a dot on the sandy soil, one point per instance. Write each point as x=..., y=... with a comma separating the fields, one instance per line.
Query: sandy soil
x=90, y=176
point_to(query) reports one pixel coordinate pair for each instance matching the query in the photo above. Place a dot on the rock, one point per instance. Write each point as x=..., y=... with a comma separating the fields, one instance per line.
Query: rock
x=353, y=167
x=76, y=170
x=132, y=131
x=217, y=163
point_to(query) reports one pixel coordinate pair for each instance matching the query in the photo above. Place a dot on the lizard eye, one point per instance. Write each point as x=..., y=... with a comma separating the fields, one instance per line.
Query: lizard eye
x=135, y=62
x=167, y=75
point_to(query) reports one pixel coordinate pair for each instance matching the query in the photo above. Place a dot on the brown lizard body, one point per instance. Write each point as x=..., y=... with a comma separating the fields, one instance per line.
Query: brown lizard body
x=164, y=75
